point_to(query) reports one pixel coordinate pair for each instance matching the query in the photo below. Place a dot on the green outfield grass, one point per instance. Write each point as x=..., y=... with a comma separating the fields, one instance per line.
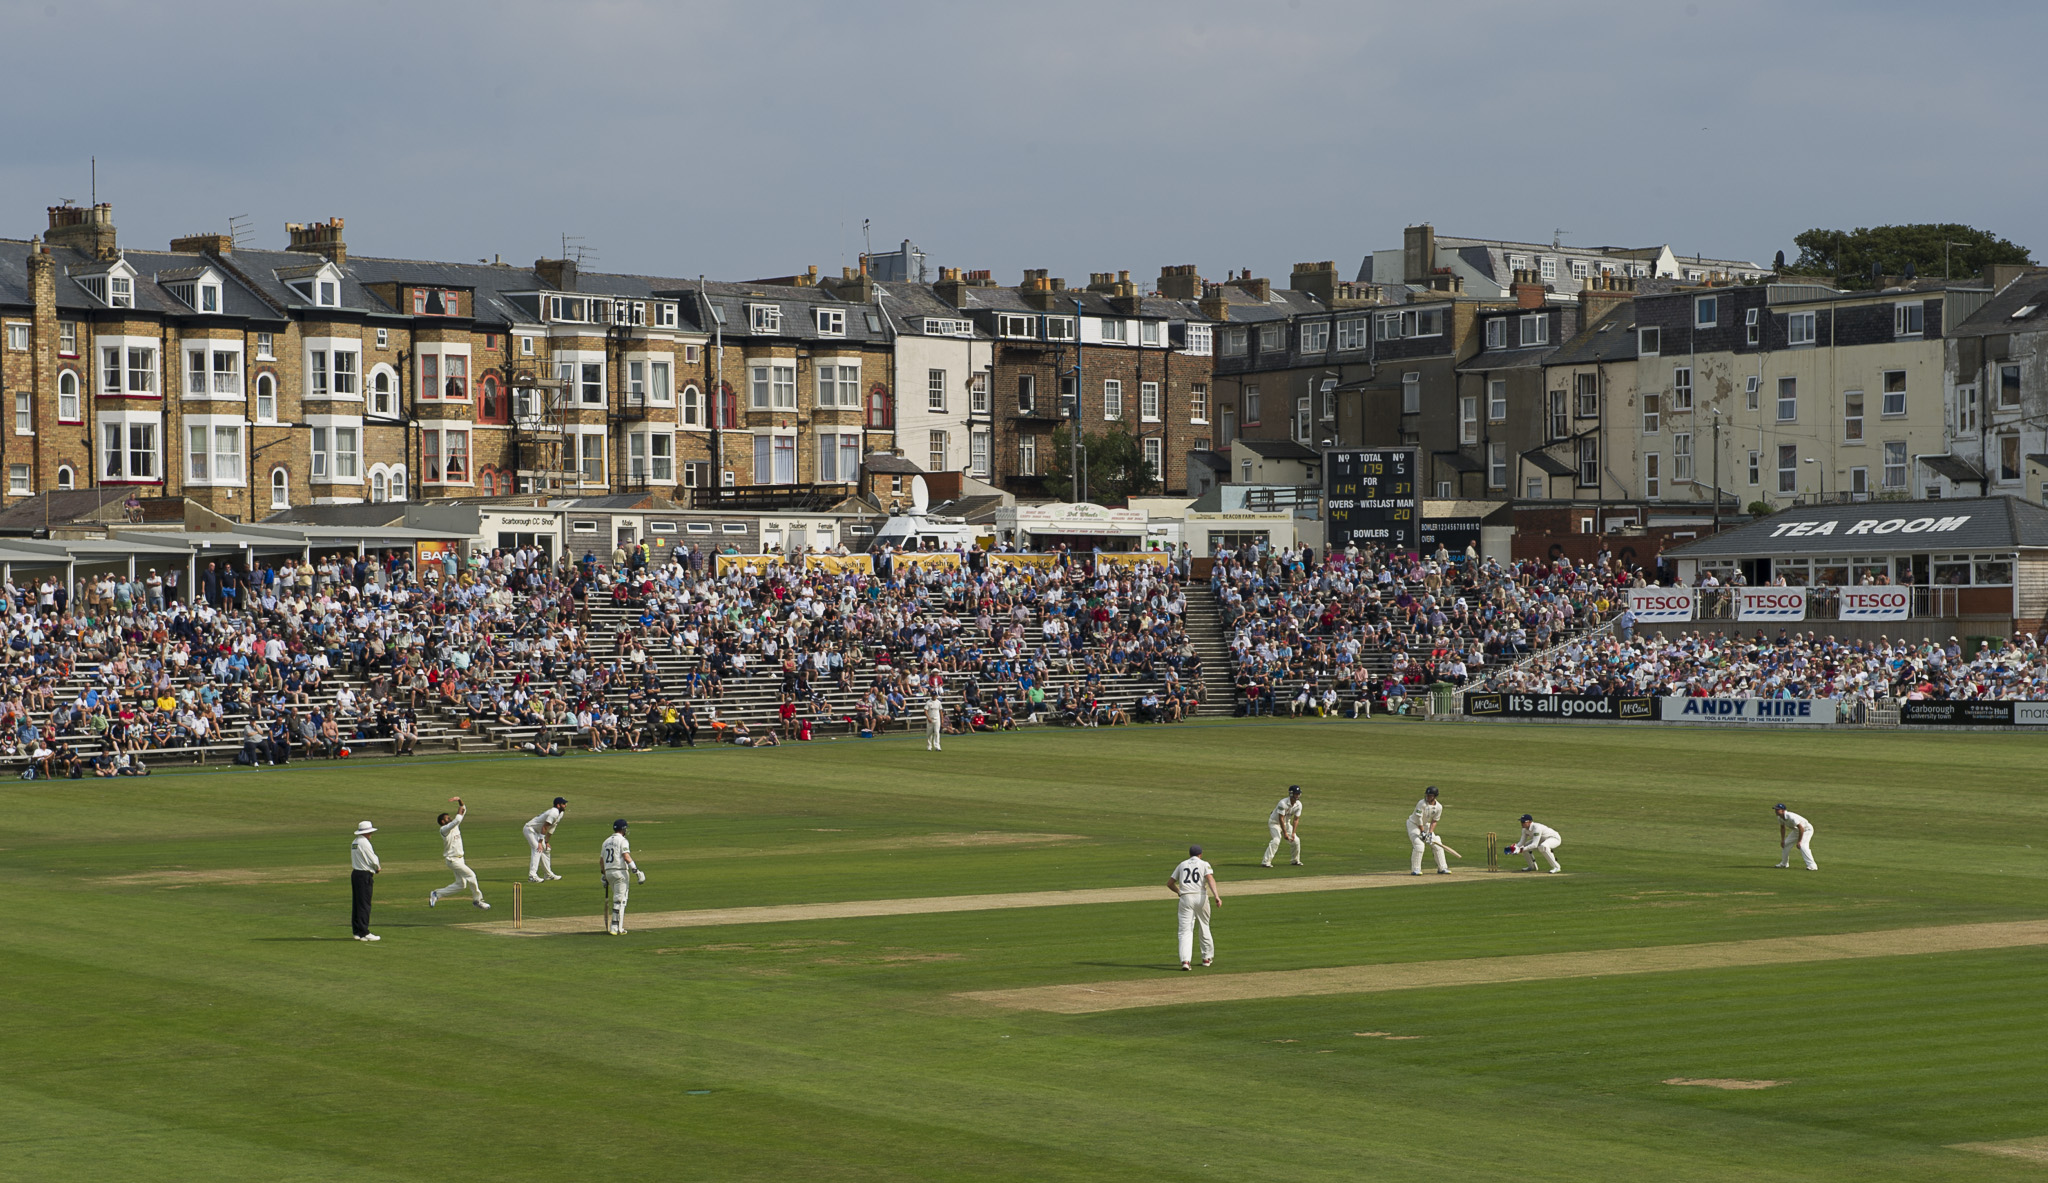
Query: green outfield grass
x=183, y=1001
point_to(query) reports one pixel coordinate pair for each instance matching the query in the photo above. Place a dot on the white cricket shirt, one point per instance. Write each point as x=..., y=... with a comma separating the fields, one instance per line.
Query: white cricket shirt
x=451, y=839
x=360, y=856
x=549, y=817
x=1536, y=833
x=1192, y=876
x=1794, y=821
x=613, y=853
x=1427, y=813
x=1289, y=807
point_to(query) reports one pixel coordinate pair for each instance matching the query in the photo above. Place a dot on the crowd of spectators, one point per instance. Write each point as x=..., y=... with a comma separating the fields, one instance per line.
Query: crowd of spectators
x=1787, y=664
x=94, y=675
x=1366, y=627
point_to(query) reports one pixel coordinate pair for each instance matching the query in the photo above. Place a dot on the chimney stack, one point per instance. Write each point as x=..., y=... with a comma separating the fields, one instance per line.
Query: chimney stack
x=951, y=288
x=1258, y=289
x=559, y=274
x=87, y=230
x=1180, y=283
x=1419, y=253
x=320, y=238
x=203, y=244
x=1316, y=279
x=1528, y=290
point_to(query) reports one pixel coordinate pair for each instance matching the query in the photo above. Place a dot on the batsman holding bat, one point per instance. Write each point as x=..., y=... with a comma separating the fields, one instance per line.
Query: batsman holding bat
x=540, y=833
x=1422, y=833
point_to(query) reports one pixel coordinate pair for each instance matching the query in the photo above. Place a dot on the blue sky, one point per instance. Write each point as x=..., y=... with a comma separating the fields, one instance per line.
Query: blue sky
x=745, y=140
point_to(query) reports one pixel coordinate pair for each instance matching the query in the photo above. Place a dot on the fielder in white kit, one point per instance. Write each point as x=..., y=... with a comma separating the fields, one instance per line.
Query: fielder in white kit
x=540, y=832
x=1422, y=833
x=616, y=858
x=934, y=721
x=1537, y=837
x=1795, y=833
x=1195, y=882
x=451, y=852
x=1284, y=823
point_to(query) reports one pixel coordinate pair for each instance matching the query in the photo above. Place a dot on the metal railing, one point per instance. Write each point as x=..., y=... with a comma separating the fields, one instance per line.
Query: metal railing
x=1825, y=603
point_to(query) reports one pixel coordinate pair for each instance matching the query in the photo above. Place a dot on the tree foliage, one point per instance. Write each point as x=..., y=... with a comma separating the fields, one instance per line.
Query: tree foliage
x=1113, y=461
x=1850, y=254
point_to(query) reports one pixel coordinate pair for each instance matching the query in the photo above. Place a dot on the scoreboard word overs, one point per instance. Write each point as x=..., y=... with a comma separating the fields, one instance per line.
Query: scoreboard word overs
x=1369, y=498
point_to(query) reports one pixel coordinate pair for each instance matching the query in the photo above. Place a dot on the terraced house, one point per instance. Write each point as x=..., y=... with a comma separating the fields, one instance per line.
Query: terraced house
x=1105, y=353
x=1817, y=393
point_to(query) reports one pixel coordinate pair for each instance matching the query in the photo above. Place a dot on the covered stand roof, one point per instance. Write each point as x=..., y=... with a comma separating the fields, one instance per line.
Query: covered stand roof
x=1881, y=527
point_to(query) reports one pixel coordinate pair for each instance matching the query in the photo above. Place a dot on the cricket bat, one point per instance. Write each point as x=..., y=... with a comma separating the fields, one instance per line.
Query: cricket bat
x=1436, y=841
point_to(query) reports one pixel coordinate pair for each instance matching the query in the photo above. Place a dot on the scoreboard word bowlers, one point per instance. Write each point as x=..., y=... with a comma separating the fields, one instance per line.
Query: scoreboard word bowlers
x=1369, y=498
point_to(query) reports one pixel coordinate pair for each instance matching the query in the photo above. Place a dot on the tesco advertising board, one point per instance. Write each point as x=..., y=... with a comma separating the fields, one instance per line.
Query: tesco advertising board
x=1877, y=603
x=1661, y=603
x=1770, y=603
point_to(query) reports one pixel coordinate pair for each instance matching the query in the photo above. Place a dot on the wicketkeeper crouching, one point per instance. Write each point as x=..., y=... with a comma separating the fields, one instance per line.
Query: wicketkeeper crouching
x=1537, y=837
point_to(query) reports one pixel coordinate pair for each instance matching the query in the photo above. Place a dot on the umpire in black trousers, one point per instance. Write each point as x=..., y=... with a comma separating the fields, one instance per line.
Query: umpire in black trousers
x=362, y=881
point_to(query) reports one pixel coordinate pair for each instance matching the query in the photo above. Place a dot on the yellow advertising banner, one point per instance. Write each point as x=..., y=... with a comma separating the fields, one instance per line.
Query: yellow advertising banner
x=1036, y=562
x=942, y=560
x=1146, y=559
x=758, y=564
x=841, y=564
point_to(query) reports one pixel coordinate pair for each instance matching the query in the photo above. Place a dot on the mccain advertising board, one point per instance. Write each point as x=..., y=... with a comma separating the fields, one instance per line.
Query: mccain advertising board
x=1513, y=705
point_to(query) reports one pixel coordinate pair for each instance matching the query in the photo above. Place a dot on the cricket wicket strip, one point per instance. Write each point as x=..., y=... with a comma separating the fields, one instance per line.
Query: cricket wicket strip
x=1492, y=851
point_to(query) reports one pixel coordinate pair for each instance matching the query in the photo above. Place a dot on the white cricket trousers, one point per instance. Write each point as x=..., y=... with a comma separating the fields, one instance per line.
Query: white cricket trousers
x=1419, y=842
x=1273, y=847
x=540, y=861
x=1194, y=910
x=465, y=880
x=1801, y=840
x=1546, y=846
x=616, y=887
x=931, y=736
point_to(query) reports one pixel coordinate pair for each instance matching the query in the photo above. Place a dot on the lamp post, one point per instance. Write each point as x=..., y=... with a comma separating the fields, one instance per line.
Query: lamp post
x=1822, y=470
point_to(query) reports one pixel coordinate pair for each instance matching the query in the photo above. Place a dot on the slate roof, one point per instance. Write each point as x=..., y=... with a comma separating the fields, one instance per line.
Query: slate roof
x=1611, y=338
x=1271, y=449
x=1996, y=316
x=1506, y=359
x=1882, y=527
x=907, y=304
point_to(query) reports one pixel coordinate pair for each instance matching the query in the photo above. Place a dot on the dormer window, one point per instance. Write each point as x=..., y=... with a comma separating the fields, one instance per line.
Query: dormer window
x=831, y=322
x=120, y=292
x=209, y=297
x=330, y=294
x=665, y=316
x=434, y=302
x=765, y=318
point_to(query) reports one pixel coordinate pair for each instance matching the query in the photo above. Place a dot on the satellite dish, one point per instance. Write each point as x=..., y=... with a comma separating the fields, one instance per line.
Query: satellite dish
x=920, y=495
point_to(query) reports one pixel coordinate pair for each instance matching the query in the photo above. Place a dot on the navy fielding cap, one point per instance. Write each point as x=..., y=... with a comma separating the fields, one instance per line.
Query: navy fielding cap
x=1195, y=851
x=1779, y=807
x=1430, y=791
x=1294, y=790
x=561, y=800
x=1528, y=818
x=619, y=824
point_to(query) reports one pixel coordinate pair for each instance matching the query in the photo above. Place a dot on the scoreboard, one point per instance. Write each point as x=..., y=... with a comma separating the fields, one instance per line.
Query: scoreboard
x=1369, y=498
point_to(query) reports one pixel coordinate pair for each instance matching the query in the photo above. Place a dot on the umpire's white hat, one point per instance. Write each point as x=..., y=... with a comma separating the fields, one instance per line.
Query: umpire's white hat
x=364, y=828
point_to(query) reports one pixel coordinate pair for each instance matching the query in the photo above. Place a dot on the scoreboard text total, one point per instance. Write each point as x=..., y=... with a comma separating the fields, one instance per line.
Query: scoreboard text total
x=1369, y=497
